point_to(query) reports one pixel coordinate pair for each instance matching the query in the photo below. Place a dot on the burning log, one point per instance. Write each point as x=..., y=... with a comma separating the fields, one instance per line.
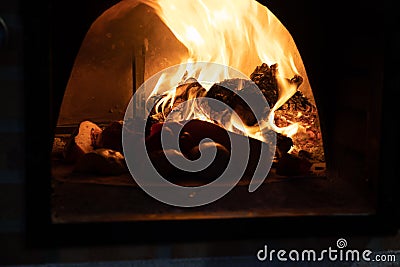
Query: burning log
x=297, y=109
x=230, y=97
x=229, y=92
x=265, y=78
x=190, y=89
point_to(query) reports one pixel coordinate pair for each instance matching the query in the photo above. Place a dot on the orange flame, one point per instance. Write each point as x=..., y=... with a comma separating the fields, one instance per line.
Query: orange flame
x=240, y=34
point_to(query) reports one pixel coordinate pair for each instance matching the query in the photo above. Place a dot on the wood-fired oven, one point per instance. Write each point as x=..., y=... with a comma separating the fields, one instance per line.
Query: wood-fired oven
x=320, y=68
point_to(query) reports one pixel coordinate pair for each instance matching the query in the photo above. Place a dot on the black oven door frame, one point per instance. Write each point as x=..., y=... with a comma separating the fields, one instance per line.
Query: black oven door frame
x=52, y=34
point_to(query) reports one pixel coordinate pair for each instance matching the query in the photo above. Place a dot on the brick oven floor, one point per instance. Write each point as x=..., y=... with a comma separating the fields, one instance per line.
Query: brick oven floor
x=78, y=198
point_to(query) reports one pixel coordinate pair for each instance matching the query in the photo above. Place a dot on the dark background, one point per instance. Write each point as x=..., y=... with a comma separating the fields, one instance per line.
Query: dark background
x=26, y=47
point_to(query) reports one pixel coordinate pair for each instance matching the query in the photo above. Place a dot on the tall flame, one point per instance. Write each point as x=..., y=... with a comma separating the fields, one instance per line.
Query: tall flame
x=237, y=33
x=240, y=34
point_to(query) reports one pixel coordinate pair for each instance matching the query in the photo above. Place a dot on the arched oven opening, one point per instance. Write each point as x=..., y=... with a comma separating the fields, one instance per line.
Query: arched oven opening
x=323, y=97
